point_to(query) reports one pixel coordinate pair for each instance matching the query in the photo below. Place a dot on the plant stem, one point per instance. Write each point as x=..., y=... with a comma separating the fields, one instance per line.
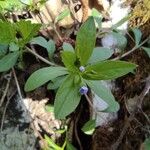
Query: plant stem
x=52, y=24
x=89, y=101
x=40, y=57
x=132, y=50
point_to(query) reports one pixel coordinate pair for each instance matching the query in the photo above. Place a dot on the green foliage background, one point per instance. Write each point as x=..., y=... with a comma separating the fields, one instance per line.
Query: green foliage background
x=11, y=5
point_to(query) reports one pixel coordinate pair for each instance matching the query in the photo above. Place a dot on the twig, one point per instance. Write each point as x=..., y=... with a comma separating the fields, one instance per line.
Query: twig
x=131, y=117
x=124, y=130
x=89, y=101
x=3, y=116
x=144, y=92
x=6, y=90
x=39, y=135
x=4, y=112
x=53, y=25
x=17, y=84
x=40, y=57
x=132, y=50
x=144, y=114
x=130, y=37
x=76, y=132
x=18, y=88
x=141, y=98
x=19, y=92
x=55, y=29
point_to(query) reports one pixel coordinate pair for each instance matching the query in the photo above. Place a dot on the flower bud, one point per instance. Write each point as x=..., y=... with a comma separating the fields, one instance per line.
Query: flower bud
x=81, y=68
x=83, y=90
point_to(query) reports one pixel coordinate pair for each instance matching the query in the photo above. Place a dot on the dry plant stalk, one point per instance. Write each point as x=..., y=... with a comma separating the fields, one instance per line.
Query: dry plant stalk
x=89, y=4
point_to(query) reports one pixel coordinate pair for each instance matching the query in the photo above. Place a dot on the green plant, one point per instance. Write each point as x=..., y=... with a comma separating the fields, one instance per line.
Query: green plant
x=51, y=145
x=82, y=71
x=48, y=45
x=146, y=144
x=138, y=36
x=13, y=42
x=33, y=5
x=10, y=6
x=89, y=127
x=15, y=36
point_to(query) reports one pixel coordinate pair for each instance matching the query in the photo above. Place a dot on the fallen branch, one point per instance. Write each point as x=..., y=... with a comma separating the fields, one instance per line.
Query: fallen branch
x=2, y=99
x=17, y=84
x=6, y=89
x=3, y=116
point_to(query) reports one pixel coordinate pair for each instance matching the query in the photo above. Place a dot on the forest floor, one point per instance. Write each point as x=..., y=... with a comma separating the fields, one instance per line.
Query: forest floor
x=25, y=117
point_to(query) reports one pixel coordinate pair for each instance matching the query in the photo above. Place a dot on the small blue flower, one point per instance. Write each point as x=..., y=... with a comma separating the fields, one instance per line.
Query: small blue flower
x=83, y=90
x=81, y=68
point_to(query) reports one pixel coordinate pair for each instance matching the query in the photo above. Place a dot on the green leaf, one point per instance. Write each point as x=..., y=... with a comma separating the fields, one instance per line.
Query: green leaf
x=137, y=35
x=121, y=40
x=49, y=108
x=40, y=41
x=13, y=47
x=49, y=46
x=99, y=54
x=51, y=143
x=62, y=15
x=7, y=32
x=55, y=83
x=8, y=61
x=69, y=59
x=27, y=30
x=26, y=2
x=9, y=5
x=148, y=42
x=108, y=70
x=41, y=76
x=96, y=13
x=67, y=98
x=69, y=146
x=89, y=127
x=147, y=144
x=121, y=22
x=68, y=47
x=147, y=50
x=61, y=131
x=105, y=94
x=85, y=41
x=3, y=50
x=97, y=17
